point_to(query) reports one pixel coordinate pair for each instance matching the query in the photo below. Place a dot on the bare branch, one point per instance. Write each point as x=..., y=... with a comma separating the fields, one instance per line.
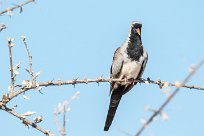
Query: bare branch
x=157, y=112
x=10, y=45
x=98, y=80
x=30, y=59
x=86, y=81
x=15, y=7
x=24, y=121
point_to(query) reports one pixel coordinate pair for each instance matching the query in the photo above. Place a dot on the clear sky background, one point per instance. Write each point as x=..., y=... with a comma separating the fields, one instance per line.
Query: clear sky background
x=77, y=39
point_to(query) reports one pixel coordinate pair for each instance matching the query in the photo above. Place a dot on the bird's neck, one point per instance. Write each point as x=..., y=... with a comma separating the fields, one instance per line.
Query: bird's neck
x=135, y=39
x=134, y=48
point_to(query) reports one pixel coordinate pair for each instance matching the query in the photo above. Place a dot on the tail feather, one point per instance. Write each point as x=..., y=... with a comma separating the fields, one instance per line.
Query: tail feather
x=114, y=101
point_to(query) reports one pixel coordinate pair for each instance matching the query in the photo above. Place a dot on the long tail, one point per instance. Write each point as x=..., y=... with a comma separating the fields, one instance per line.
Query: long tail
x=114, y=101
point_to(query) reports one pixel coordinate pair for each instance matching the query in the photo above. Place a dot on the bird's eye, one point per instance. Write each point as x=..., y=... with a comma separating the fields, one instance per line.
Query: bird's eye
x=137, y=30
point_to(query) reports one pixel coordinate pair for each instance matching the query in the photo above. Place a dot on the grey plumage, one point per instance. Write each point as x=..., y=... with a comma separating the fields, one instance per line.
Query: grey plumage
x=129, y=62
x=117, y=63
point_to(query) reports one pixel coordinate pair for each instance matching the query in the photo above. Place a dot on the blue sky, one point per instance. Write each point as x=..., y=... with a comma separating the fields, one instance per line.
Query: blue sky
x=71, y=39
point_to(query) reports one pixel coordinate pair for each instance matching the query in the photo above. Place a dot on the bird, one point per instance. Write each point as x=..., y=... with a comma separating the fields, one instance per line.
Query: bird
x=129, y=62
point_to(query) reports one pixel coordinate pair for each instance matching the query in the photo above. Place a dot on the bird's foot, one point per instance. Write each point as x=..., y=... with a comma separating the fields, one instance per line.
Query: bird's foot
x=132, y=81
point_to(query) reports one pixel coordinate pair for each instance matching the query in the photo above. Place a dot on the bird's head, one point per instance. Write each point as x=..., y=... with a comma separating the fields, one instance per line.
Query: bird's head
x=136, y=28
x=135, y=33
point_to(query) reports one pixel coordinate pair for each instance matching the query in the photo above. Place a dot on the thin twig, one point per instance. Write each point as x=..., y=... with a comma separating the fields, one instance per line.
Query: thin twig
x=169, y=98
x=30, y=59
x=10, y=45
x=26, y=122
x=2, y=27
x=15, y=7
x=64, y=121
x=63, y=108
x=57, y=122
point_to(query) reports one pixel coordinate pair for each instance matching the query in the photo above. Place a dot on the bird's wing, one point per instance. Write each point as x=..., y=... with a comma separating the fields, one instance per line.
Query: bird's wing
x=117, y=63
x=116, y=67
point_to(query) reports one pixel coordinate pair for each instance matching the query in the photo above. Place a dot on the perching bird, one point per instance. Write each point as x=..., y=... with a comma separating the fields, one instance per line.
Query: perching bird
x=129, y=62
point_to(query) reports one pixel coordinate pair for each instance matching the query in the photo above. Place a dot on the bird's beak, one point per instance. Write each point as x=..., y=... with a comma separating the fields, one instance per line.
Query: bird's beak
x=138, y=31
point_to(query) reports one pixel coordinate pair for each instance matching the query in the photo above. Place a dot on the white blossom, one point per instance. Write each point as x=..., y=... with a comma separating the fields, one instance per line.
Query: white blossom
x=28, y=113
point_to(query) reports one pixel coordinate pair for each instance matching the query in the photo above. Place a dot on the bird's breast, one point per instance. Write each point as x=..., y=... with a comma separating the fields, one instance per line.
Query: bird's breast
x=131, y=69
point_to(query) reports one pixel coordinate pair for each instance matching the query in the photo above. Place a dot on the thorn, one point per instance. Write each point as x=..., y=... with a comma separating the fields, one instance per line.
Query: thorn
x=14, y=107
x=148, y=78
x=74, y=81
x=21, y=8
x=40, y=91
x=27, y=70
x=18, y=85
x=2, y=26
x=98, y=80
x=25, y=123
x=34, y=2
